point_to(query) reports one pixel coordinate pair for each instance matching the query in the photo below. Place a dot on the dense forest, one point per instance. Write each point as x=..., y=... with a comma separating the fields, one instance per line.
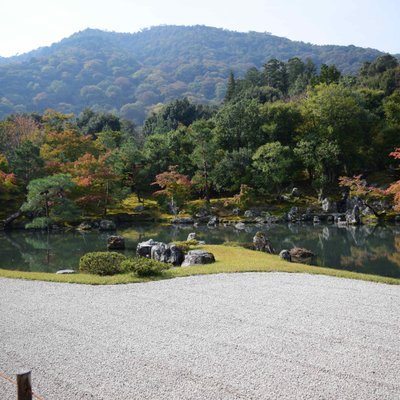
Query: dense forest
x=279, y=124
x=132, y=74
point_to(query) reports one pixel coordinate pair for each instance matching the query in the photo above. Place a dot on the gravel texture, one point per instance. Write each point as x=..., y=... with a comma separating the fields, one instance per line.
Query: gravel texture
x=228, y=336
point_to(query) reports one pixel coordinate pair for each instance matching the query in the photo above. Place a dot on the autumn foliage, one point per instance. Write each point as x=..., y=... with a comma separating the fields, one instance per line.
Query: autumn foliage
x=175, y=186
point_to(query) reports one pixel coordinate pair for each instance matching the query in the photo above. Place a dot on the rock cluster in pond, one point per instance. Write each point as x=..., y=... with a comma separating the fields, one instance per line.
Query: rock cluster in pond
x=261, y=243
x=115, y=243
x=173, y=254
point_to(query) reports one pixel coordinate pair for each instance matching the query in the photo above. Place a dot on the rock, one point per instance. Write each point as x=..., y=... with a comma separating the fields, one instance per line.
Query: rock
x=214, y=220
x=203, y=212
x=285, y=255
x=353, y=217
x=261, y=243
x=176, y=255
x=191, y=236
x=172, y=208
x=328, y=206
x=330, y=218
x=167, y=253
x=295, y=192
x=182, y=221
x=158, y=252
x=236, y=211
x=301, y=254
x=240, y=226
x=249, y=214
x=198, y=257
x=139, y=209
x=66, y=272
x=143, y=249
x=107, y=225
x=316, y=219
x=84, y=226
x=115, y=243
x=292, y=214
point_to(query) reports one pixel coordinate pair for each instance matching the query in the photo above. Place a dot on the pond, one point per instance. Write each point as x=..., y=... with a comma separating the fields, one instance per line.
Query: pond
x=366, y=249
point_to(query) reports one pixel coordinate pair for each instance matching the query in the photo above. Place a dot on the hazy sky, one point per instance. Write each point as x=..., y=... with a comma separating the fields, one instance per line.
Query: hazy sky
x=28, y=24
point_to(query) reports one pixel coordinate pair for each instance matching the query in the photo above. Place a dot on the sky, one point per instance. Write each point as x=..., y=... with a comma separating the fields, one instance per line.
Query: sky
x=29, y=24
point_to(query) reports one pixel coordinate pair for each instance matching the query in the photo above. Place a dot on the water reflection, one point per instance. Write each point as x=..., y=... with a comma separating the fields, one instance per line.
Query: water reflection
x=367, y=249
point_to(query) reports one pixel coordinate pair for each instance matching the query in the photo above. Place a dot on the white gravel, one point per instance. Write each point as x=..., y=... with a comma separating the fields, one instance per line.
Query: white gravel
x=233, y=336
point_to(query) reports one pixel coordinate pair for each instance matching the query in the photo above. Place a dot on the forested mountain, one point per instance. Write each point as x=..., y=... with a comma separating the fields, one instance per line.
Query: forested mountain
x=130, y=74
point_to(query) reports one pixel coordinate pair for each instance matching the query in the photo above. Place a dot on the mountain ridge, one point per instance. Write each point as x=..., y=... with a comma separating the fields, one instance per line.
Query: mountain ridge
x=130, y=73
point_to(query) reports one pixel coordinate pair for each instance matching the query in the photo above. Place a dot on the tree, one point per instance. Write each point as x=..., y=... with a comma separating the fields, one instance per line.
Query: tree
x=394, y=188
x=238, y=125
x=275, y=163
x=239, y=165
x=335, y=113
x=231, y=88
x=329, y=74
x=281, y=121
x=49, y=197
x=320, y=158
x=204, y=152
x=96, y=182
x=276, y=75
x=27, y=163
x=175, y=186
x=66, y=146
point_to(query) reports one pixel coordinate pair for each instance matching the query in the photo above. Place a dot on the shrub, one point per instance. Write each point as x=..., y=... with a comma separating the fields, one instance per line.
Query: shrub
x=143, y=266
x=186, y=245
x=101, y=263
x=39, y=223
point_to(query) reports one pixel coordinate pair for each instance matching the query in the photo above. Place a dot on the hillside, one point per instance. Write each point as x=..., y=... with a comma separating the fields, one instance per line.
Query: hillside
x=131, y=73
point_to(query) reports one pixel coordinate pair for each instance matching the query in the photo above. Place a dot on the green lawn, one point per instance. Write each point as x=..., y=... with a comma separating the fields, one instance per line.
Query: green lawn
x=229, y=259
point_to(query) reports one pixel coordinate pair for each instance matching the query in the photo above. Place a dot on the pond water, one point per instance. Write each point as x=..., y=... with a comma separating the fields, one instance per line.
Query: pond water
x=367, y=249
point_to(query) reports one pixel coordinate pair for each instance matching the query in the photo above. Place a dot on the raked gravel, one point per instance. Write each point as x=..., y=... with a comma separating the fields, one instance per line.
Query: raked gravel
x=228, y=336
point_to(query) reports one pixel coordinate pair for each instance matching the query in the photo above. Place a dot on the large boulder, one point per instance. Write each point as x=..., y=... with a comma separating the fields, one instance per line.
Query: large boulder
x=143, y=249
x=328, y=206
x=115, y=243
x=261, y=243
x=198, y=257
x=353, y=217
x=300, y=254
x=107, y=225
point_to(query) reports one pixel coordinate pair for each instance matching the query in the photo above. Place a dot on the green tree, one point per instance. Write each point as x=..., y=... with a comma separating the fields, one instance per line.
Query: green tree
x=275, y=162
x=49, y=197
x=238, y=125
x=27, y=163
